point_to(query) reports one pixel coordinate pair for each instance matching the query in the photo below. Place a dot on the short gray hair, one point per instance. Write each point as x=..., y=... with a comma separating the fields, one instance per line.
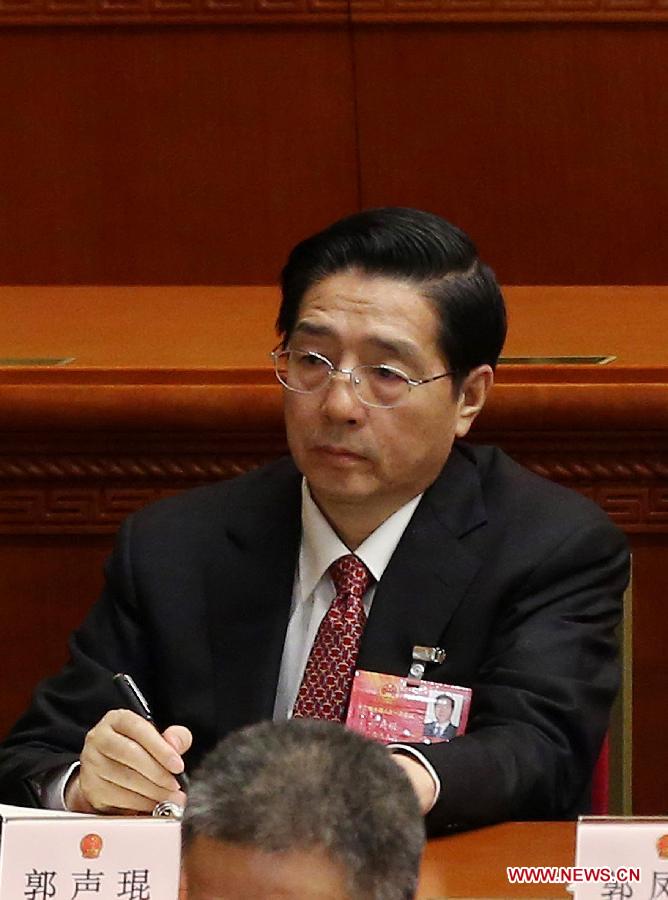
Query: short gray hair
x=306, y=784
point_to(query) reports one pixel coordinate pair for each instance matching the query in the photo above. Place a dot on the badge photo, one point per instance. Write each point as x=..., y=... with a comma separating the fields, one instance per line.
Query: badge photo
x=388, y=708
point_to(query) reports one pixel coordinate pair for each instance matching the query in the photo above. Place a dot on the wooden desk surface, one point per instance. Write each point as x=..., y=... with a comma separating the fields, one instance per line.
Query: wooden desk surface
x=185, y=327
x=184, y=357
x=473, y=864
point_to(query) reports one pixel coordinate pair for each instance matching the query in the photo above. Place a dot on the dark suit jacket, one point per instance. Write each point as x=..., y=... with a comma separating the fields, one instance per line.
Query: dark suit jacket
x=431, y=729
x=517, y=578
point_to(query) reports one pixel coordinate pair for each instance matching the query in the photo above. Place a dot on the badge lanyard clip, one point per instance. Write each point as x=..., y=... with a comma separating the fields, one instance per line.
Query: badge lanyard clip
x=422, y=656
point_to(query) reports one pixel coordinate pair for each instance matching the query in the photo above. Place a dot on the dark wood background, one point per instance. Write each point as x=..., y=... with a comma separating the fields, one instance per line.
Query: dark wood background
x=193, y=141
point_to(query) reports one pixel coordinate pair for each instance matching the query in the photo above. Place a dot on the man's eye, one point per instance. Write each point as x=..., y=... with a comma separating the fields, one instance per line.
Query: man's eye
x=312, y=361
x=385, y=373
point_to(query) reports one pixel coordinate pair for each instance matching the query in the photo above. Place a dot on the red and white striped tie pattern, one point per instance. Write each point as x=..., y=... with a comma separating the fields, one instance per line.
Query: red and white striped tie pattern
x=328, y=676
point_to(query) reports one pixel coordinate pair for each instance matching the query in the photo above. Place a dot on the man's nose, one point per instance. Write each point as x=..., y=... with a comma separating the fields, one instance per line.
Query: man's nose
x=340, y=400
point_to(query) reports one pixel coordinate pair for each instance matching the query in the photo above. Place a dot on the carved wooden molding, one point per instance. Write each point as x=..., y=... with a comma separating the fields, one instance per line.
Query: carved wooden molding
x=93, y=510
x=93, y=493
x=127, y=468
x=70, y=509
x=633, y=508
x=596, y=469
x=632, y=488
x=324, y=12
x=566, y=467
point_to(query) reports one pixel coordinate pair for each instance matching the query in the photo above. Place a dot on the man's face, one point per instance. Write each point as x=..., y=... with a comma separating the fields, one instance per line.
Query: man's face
x=358, y=456
x=443, y=710
x=217, y=870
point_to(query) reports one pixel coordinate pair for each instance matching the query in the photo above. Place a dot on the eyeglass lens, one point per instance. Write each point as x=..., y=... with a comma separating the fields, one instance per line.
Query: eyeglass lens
x=307, y=372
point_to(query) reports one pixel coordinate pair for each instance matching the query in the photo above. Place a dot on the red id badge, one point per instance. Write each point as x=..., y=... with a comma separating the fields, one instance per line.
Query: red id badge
x=391, y=709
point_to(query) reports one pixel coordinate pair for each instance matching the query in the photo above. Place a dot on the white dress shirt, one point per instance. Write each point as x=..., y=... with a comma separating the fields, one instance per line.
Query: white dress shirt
x=313, y=592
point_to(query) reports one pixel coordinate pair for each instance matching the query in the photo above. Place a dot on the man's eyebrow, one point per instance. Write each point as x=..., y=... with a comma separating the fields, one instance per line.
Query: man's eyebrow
x=396, y=347
x=312, y=328
x=399, y=348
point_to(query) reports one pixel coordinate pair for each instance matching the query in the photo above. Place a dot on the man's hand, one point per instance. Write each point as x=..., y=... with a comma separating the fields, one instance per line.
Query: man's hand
x=423, y=783
x=127, y=766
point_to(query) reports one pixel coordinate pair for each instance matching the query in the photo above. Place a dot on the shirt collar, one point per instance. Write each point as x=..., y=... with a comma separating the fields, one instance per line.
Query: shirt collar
x=321, y=546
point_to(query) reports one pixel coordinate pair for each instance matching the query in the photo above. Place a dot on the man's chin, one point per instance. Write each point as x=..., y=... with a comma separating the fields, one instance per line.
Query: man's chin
x=345, y=489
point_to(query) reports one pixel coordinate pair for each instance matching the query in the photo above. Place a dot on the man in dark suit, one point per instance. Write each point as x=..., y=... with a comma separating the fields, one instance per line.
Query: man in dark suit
x=215, y=600
x=442, y=726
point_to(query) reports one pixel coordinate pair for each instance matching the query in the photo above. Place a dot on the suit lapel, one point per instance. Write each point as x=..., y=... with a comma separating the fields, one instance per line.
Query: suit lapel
x=249, y=593
x=250, y=579
x=429, y=571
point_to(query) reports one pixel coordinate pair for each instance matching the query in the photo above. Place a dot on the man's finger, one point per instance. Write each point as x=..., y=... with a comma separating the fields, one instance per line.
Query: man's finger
x=179, y=737
x=112, y=798
x=130, y=779
x=106, y=747
x=127, y=765
x=146, y=736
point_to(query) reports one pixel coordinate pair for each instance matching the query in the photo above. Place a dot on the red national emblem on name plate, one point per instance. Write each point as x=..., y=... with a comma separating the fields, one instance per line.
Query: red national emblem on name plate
x=91, y=846
x=662, y=846
x=388, y=691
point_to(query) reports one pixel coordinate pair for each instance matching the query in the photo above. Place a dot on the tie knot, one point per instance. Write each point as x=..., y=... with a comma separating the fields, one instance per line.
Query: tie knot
x=350, y=575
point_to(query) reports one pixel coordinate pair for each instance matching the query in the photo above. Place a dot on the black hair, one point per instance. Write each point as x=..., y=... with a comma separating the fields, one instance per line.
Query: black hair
x=306, y=784
x=415, y=246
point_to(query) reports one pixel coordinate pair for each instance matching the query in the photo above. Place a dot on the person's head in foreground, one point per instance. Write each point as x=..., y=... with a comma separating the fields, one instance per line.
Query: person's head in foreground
x=305, y=810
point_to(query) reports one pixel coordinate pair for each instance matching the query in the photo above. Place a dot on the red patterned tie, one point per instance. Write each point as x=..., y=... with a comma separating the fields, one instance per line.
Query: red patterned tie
x=329, y=672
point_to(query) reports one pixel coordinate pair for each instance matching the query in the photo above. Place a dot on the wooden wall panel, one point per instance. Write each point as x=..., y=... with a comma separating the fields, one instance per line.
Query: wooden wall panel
x=285, y=13
x=47, y=585
x=156, y=155
x=546, y=143
x=172, y=152
x=650, y=684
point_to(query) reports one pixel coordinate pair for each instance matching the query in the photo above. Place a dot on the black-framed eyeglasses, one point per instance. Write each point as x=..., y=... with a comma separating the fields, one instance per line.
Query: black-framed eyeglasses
x=305, y=371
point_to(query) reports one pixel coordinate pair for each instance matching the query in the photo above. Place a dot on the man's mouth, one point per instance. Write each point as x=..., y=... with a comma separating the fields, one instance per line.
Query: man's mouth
x=335, y=452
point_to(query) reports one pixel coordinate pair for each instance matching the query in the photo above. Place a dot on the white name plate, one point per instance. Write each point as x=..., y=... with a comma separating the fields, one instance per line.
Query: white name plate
x=65, y=856
x=621, y=859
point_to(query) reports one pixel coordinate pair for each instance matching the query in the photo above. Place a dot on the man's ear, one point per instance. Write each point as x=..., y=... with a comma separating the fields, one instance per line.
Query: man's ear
x=472, y=395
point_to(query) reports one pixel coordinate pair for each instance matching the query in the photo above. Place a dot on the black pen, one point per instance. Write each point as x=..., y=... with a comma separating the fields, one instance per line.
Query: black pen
x=134, y=700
